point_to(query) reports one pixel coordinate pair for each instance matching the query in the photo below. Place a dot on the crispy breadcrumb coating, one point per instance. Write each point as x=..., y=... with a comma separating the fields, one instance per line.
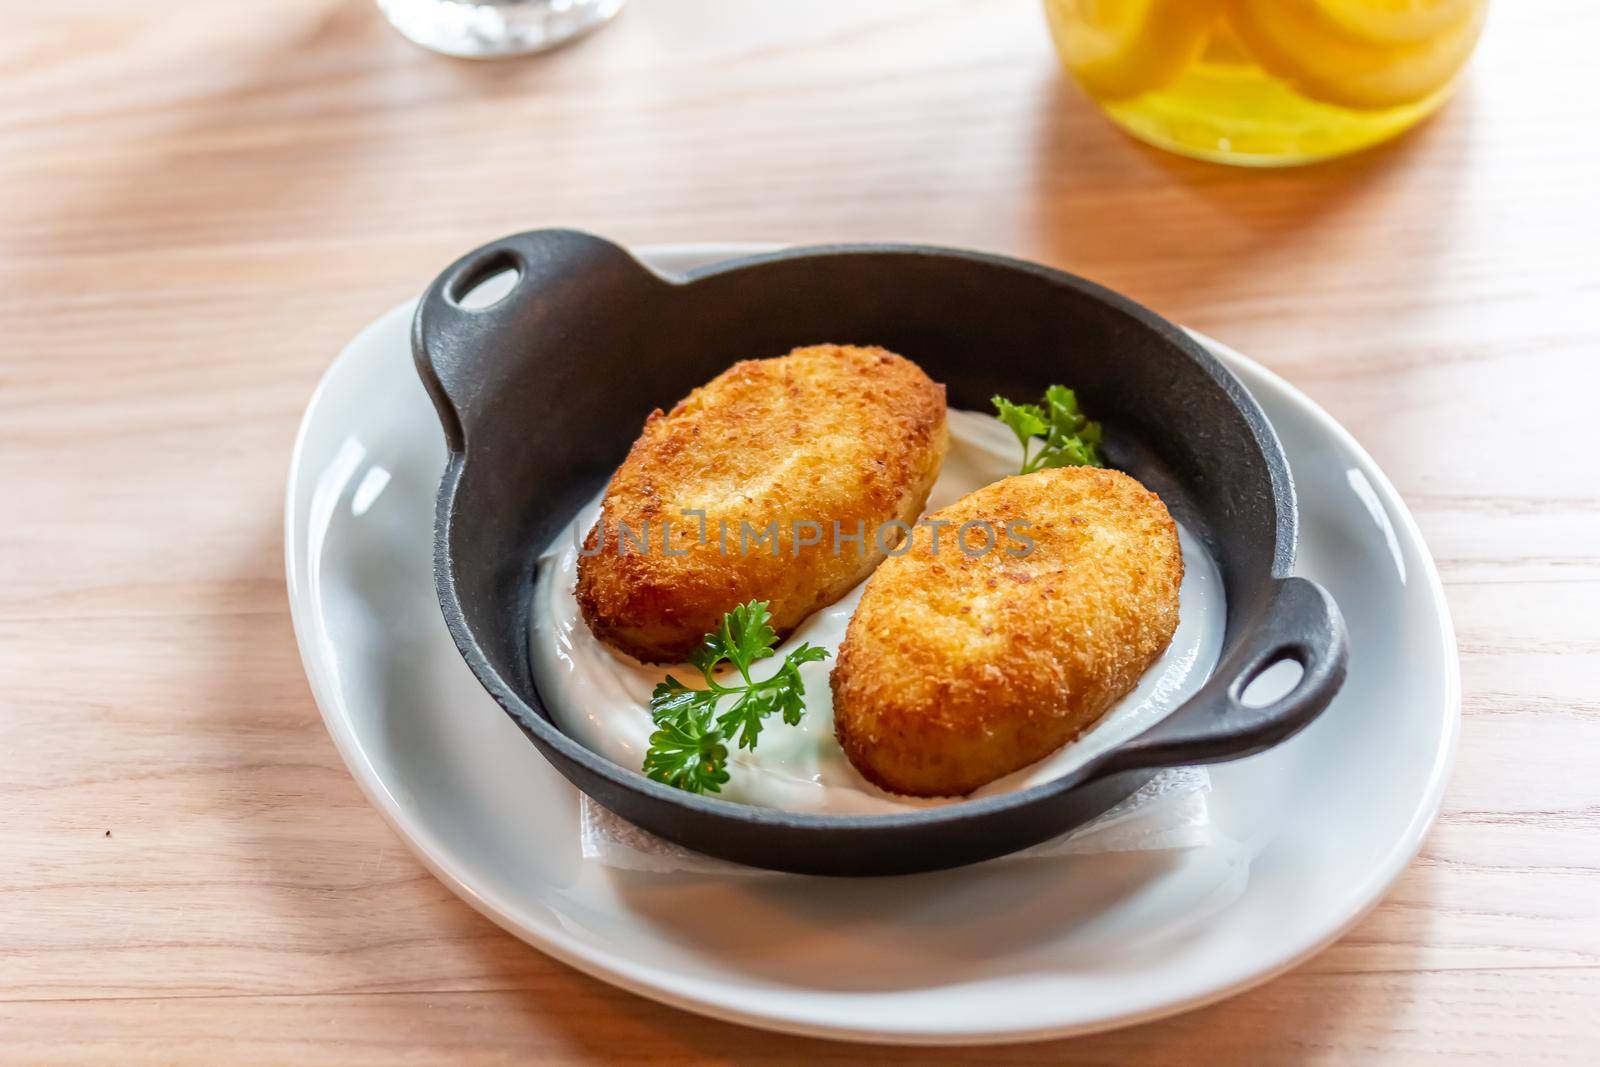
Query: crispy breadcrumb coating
x=957, y=670
x=825, y=434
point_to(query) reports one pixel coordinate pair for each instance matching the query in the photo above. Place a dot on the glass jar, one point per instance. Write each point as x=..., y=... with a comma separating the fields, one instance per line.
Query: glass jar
x=483, y=29
x=1266, y=82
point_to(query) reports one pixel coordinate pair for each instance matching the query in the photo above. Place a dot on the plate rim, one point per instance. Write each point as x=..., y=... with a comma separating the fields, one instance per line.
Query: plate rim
x=555, y=941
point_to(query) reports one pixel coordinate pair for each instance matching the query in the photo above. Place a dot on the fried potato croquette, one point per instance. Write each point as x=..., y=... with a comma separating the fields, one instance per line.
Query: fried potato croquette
x=771, y=482
x=958, y=669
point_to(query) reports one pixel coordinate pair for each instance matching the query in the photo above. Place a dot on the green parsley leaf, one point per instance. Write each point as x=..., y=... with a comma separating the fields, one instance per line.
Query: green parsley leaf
x=687, y=751
x=744, y=717
x=689, y=748
x=743, y=636
x=1025, y=420
x=672, y=699
x=791, y=697
x=1071, y=438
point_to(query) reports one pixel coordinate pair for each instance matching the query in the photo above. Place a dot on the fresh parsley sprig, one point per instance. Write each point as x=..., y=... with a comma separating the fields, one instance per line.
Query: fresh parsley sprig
x=689, y=749
x=1071, y=438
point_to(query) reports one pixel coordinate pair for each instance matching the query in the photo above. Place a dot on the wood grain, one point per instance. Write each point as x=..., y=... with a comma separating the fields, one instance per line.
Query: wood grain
x=199, y=204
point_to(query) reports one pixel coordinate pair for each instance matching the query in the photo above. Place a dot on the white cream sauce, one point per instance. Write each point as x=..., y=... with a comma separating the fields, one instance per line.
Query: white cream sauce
x=601, y=697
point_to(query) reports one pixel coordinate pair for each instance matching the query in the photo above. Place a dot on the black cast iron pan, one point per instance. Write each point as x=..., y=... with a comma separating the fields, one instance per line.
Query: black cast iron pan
x=542, y=392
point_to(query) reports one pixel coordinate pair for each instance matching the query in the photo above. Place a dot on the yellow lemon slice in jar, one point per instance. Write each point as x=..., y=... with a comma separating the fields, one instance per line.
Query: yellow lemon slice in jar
x=1121, y=48
x=1398, y=22
x=1297, y=41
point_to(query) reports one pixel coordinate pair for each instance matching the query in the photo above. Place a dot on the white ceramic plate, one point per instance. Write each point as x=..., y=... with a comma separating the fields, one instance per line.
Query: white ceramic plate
x=1005, y=952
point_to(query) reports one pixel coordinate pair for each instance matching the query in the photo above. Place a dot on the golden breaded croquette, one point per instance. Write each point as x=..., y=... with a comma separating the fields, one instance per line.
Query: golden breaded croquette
x=957, y=669
x=750, y=473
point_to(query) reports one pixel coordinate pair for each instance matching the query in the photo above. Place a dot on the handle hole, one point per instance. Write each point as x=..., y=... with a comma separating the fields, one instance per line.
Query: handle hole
x=1272, y=683
x=485, y=284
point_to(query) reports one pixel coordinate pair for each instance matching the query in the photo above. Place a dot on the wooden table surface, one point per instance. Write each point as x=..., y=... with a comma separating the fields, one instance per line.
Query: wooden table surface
x=201, y=202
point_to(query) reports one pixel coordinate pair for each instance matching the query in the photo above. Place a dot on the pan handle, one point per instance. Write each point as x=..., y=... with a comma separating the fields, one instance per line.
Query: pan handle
x=1301, y=623
x=553, y=268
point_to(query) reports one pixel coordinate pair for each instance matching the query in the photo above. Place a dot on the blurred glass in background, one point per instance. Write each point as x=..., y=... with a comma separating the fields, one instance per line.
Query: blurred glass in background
x=488, y=28
x=1266, y=82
